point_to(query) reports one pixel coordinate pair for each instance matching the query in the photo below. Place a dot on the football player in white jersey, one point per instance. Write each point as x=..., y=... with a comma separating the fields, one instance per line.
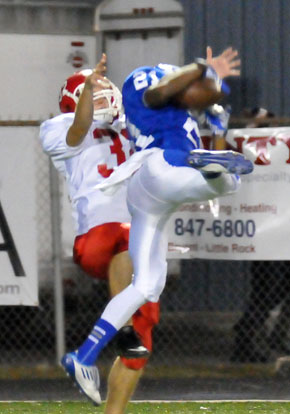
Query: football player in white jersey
x=167, y=170
x=85, y=146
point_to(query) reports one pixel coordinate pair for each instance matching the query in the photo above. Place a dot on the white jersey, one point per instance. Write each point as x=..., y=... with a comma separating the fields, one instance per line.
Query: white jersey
x=86, y=166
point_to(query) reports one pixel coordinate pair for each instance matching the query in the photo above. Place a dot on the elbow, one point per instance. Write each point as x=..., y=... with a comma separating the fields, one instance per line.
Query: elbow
x=154, y=98
x=75, y=138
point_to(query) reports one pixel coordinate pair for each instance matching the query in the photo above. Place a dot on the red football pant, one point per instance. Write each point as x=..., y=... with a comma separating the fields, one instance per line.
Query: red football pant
x=93, y=252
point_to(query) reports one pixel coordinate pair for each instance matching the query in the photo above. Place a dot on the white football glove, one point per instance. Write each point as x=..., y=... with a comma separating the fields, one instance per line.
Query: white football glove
x=217, y=118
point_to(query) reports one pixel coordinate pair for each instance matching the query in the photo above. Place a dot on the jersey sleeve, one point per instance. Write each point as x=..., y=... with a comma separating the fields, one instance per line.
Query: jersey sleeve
x=134, y=87
x=53, y=137
x=139, y=81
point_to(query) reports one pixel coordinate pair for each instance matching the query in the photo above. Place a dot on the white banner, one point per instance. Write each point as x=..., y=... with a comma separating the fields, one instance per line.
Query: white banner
x=253, y=224
x=18, y=247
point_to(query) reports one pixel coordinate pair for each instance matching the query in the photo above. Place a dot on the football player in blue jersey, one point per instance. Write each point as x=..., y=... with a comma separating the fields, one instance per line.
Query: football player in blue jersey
x=167, y=169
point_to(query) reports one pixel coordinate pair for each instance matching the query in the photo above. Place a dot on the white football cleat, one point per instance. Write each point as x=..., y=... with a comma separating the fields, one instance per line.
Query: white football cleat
x=220, y=162
x=86, y=377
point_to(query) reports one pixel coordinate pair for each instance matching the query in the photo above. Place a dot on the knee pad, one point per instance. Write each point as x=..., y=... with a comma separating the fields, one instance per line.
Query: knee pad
x=144, y=320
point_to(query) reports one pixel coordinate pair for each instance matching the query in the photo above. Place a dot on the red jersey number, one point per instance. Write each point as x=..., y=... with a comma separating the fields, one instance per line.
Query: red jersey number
x=116, y=148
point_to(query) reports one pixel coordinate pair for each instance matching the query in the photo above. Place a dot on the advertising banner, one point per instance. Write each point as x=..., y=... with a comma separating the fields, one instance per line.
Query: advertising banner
x=254, y=223
x=18, y=233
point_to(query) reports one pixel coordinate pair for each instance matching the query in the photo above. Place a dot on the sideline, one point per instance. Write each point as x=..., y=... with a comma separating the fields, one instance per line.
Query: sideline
x=158, y=401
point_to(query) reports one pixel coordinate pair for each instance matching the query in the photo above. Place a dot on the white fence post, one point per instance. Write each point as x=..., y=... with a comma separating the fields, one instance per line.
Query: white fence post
x=57, y=253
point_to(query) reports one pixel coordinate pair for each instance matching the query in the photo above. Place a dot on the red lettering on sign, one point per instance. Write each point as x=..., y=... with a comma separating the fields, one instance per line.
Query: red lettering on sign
x=263, y=157
x=261, y=147
x=286, y=141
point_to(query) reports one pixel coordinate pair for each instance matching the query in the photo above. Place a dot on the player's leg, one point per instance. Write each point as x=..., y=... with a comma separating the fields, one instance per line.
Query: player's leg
x=122, y=382
x=153, y=193
x=128, y=341
x=117, y=312
x=144, y=320
x=126, y=372
x=94, y=253
x=173, y=184
x=103, y=253
x=123, y=379
x=148, y=244
x=220, y=161
x=94, y=250
x=120, y=272
x=148, y=248
x=93, y=257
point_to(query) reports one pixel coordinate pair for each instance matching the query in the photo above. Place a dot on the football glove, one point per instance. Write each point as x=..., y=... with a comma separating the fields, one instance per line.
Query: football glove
x=217, y=119
x=212, y=74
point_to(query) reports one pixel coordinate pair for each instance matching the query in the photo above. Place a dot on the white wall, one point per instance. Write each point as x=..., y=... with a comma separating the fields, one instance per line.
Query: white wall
x=32, y=71
x=131, y=51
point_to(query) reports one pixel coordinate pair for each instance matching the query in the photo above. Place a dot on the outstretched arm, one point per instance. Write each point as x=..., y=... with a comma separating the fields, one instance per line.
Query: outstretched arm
x=175, y=86
x=85, y=107
x=172, y=84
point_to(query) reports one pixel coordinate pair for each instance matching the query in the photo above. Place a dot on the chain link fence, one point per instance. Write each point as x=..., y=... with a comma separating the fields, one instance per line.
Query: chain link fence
x=222, y=312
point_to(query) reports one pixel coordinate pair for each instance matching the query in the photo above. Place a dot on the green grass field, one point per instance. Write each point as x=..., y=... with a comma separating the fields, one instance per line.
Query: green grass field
x=256, y=407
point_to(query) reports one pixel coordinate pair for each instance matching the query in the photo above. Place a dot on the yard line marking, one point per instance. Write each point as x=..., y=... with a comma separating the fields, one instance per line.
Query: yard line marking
x=152, y=401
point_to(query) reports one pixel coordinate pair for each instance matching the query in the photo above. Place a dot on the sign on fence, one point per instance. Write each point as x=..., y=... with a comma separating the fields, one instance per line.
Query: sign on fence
x=18, y=233
x=254, y=223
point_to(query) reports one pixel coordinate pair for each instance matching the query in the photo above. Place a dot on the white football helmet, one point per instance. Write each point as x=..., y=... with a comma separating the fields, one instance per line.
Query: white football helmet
x=73, y=87
x=114, y=107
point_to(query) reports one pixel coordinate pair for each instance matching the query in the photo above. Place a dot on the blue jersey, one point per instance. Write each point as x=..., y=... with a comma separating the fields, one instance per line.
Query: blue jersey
x=168, y=127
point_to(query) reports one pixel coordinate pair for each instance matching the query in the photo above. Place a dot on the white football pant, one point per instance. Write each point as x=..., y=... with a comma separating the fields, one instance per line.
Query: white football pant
x=154, y=192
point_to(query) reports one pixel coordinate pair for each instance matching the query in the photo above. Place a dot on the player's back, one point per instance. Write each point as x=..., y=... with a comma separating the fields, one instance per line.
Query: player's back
x=87, y=165
x=166, y=127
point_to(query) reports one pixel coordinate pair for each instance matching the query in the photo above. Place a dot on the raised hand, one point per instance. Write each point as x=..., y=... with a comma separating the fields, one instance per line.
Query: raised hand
x=98, y=76
x=101, y=67
x=226, y=64
x=85, y=107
